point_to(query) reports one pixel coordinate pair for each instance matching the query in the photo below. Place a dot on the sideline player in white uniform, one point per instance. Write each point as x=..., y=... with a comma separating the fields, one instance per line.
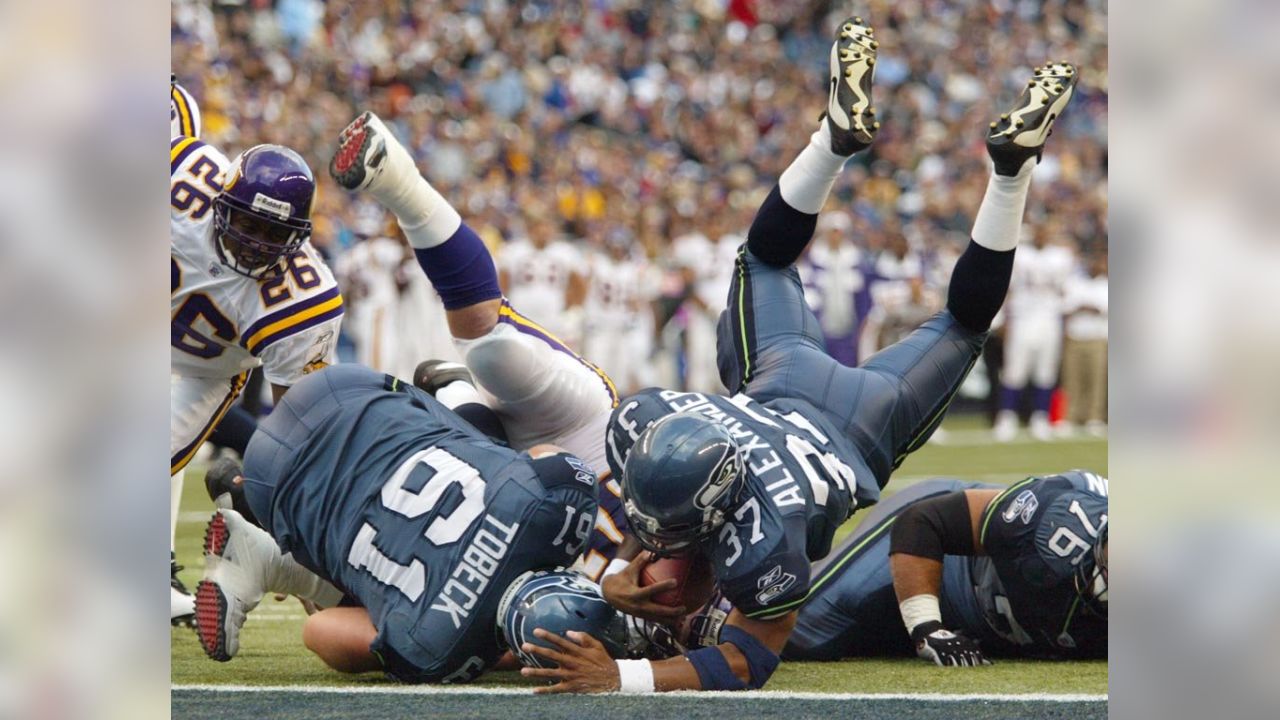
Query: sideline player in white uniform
x=247, y=290
x=1033, y=334
x=619, y=324
x=541, y=275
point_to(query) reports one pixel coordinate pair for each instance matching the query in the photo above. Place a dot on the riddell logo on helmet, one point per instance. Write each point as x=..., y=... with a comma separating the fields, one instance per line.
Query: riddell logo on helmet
x=278, y=208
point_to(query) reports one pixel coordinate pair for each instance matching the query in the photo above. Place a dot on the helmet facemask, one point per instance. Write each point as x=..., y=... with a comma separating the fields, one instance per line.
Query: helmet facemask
x=714, y=499
x=253, y=243
x=1091, y=582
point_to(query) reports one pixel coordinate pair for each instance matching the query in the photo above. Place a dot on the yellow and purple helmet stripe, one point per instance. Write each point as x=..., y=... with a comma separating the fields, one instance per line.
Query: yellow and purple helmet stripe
x=184, y=114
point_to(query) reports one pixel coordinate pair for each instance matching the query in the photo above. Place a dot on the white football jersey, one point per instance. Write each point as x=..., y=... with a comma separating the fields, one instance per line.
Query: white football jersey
x=618, y=289
x=223, y=323
x=1037, y=284
x=539, y=278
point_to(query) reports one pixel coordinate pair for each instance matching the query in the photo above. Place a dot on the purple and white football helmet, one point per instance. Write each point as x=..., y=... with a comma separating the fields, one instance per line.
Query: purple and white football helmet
x=263, y=214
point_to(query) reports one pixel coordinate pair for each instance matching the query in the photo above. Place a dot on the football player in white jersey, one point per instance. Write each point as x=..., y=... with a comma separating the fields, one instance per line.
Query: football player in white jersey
x=1033, y=333
x=247, y=290
x=619, y=326
x=542, y=275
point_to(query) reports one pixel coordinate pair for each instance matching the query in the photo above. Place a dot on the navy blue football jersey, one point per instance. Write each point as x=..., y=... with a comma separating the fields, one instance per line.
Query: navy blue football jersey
x=803, y=479
x=1037, y=533
x=406, y=507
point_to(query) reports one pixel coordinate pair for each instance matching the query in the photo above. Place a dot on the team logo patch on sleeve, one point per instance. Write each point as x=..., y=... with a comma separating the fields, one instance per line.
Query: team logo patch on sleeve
x=1023, y=506
x=773, y=584
x=582, y=473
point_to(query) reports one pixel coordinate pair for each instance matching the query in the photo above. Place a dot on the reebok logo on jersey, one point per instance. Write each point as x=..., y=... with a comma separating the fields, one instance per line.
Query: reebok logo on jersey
x=582, y=473
x=773, y=584
x=1023, y=506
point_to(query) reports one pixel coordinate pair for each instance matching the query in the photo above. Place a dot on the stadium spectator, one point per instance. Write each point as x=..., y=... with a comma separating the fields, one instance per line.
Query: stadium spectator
x=1084, y=356
x=664, y=118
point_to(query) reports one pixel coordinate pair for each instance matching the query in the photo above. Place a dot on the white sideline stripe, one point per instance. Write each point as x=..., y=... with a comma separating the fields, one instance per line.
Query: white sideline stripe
x=742, y=694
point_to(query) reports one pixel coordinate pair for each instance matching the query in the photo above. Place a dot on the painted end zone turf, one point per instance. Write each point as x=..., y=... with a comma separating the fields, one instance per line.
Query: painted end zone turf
x=234, y=702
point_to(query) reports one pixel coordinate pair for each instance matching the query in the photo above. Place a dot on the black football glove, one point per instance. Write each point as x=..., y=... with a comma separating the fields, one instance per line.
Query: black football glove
x=945, y=648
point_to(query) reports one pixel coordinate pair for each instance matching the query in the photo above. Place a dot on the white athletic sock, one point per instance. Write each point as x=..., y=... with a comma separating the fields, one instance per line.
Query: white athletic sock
x=999, y=218
x=422, y=212
x=175, y=499
x=807, y=181
x=458, y=392
x=291, y=578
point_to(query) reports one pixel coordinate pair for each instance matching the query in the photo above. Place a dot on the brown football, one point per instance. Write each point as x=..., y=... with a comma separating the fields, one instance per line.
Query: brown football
x=693, y=576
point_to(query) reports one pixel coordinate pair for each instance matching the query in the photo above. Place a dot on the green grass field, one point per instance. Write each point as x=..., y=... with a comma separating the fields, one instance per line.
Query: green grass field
x=272, y=654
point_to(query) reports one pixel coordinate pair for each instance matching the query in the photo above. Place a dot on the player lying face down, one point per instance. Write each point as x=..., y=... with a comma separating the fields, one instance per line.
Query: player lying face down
x=758, y=483
x=955, y=572
x=412, y=529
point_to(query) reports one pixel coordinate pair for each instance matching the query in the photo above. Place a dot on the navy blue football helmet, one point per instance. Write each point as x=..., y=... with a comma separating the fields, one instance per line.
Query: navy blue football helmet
x=263, y=214
x=1091, y=577
x=558, y=601
x=684, y=473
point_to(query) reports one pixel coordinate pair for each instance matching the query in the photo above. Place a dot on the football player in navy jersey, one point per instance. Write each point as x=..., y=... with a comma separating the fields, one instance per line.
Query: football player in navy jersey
x=362, y=487
x=758, y=482
x=957, y=572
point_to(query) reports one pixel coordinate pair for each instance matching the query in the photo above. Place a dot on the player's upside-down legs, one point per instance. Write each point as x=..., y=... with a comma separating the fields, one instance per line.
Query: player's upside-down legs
x=540, y=389
x=771, y=346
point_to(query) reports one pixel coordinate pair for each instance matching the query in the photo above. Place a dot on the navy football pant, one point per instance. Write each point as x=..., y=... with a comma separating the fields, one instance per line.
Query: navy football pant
x=770, y=346
x=852, y=609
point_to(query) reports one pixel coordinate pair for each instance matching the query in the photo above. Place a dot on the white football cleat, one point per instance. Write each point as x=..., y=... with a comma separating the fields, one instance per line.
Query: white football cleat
x=369, y=157
x=1006, y=427
x=182, y=607
x=1040, y=428
x=238, y=559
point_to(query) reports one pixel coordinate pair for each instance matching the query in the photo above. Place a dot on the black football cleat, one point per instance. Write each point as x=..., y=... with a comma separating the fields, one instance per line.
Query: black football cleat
x=220, y=480
x=850, y=117
x=182, y=606
x=431, y=375
x=1021, y=132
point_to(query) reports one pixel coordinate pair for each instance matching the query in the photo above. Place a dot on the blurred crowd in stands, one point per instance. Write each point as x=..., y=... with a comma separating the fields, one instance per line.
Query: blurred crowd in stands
x=612, y=154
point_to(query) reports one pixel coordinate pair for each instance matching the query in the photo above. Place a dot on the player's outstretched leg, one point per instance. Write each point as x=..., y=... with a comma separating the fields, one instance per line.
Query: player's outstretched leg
x=1015, y=143
x=369, y=158
x=541, y=390
x=786, y=220
x=242, y=563
x=922, y=372
x=766, y=318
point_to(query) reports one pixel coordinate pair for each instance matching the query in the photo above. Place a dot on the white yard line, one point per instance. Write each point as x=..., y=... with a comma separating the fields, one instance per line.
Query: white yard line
x=746, y=694
x=979, y=436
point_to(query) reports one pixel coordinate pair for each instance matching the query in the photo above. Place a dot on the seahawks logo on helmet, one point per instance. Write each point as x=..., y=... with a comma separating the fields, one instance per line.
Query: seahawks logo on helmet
x=720, y=480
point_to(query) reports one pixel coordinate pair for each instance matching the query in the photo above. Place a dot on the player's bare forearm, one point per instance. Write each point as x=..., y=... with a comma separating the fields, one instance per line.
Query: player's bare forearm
x=913, y=575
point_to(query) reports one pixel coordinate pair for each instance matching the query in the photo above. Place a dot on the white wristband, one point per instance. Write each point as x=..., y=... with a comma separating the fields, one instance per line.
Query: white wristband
x=635, y=676
x=920, y=609
x=614, y=567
